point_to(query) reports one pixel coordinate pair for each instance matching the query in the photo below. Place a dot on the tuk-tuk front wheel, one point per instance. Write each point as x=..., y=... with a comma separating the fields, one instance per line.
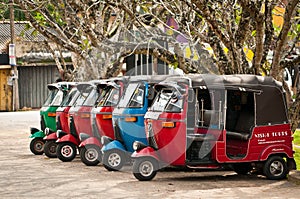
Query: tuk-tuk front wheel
x=145, y=169
x=66, y=151
x=113, y=160
x=50, y=148
x=37, y=146
x=90, y=155
x=275, y=168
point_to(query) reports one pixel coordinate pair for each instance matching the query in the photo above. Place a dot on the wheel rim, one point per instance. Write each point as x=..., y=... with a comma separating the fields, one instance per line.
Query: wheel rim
x=91, y=154
x=67, y=151
x=114, y=159
x=276, y=168
x=146, y=168
x=39, y=146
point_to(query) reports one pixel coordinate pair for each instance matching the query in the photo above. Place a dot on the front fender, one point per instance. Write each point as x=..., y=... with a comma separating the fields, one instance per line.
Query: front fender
x=51, y=136
x=145, y=152
x=279, y=149
x=90, y=141
x=115, y=144
x=68, y=138
x=38, y=134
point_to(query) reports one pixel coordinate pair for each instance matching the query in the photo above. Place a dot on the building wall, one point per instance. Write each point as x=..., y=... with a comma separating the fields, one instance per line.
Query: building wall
x=33, y=82
x=5, y=90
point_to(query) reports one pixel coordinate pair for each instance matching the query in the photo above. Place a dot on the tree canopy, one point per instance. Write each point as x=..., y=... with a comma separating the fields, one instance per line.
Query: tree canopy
x=207, y=36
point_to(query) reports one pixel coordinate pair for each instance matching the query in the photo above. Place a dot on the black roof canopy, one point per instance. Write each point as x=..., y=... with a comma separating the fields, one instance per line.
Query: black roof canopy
x=270, y=101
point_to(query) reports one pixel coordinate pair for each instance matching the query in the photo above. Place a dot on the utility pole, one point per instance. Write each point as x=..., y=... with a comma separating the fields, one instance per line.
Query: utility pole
x=12, y=57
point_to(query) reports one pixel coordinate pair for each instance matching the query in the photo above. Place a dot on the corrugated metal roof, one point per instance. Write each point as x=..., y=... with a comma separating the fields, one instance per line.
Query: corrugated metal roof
x=21, y=32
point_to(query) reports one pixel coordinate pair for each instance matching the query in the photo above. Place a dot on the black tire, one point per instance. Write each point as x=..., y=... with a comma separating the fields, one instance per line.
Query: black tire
x=37, y=146
x=50, y=148
x=145, y=169
x=242, y=168
x=66, y=151
x=90, y=155
x=275, y=168
x=113, y=160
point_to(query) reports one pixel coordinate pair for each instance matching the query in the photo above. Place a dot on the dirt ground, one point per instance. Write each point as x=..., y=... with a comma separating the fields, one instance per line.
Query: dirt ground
x=24, y=175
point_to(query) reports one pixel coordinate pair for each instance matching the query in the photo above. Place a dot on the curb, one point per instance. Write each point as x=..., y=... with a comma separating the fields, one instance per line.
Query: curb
x=294, y=176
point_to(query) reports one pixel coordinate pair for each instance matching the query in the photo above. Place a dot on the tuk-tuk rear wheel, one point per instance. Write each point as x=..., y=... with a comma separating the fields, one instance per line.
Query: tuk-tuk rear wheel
x=66, y=151
x=113, y=160
x=37, y=146
x=145, y=169
x=50, y=148
x=275, y=168
x=90, y=155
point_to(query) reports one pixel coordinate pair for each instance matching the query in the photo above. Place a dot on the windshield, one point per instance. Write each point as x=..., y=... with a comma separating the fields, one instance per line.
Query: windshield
x=70, y=98
x=133, y=97
x=167, y=100
x=58, y=98
x=82, y=96
x=110, y=97
x=91, y=99
x=50, y=97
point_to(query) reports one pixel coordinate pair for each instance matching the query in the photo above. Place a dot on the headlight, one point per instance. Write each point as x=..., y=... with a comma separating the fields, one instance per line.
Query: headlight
x=138, y=145
x=47, y=131
x=135, y=146
x=57, y=133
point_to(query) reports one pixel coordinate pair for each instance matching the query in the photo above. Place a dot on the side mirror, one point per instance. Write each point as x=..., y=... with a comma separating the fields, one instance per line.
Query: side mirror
x=191, y=95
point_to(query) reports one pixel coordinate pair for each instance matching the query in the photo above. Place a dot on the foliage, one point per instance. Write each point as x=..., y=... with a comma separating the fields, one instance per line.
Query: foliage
x=203, y=36
x=4, y=12
x=296, y=143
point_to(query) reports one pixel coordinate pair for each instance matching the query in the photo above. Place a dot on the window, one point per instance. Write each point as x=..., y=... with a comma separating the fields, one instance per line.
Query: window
x=110, y=97
x=168, y=100
x=50, y=97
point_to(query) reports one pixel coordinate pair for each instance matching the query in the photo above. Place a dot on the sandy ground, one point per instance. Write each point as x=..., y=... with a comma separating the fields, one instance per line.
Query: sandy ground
x=24, y=175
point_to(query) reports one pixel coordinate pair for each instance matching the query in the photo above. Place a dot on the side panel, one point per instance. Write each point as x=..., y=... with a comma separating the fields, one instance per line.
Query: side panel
x=105, y=126
x=148, y=151
x=90, y=141
x=39, y=134
x=82, y=120
x=265, y=140
x=50, y=120
x=113, y=145
x=68, y=138
x=51, y=136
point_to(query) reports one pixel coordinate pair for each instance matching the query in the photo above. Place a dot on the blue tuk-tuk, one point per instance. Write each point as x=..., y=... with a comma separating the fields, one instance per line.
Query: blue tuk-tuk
x=128, y=121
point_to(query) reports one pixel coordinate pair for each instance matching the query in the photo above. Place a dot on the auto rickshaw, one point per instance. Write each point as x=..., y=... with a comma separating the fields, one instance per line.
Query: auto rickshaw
x=213, y=122
x=79, y=120
x=62, y=117
x=128, y=121
x=101, y=121
x=57, y=92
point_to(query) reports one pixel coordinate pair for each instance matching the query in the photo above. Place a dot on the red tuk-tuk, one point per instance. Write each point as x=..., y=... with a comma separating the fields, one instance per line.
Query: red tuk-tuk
x=62, y=123
x=212, y=122
x=79, y=121
x=101, y=121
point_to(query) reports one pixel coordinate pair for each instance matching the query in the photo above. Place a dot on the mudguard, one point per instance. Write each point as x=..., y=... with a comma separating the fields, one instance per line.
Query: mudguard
x=276, y=149
x=68, y=138
x=51, y=136
x=115, y=144
x=38, y=134
x=145, y=152
x=90, y=141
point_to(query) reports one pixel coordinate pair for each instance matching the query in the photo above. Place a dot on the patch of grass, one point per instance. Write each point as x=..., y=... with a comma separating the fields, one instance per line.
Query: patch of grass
x=296, y=142
x=297, y=137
